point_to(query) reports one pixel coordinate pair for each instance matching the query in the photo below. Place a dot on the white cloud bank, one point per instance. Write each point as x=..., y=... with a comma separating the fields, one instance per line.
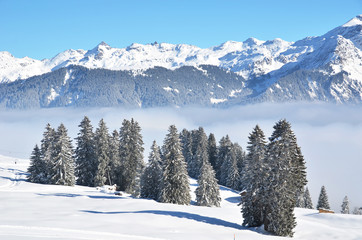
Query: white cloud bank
x=330, y=135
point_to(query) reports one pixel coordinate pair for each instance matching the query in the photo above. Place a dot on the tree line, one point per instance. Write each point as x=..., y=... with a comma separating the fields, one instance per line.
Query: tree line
x=271, y=175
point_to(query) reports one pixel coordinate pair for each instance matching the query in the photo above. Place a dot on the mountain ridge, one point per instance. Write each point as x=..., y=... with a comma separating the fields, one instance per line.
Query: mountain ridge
x=321, y=68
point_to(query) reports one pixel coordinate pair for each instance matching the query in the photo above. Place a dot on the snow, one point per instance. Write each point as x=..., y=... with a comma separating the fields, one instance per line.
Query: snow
x=53, y=95
x=250, y=58
x=217, y=100
x=233, y=92
x=34, y=211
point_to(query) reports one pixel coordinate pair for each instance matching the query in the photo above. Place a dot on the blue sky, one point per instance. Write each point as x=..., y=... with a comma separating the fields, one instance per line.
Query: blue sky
x=42, y=28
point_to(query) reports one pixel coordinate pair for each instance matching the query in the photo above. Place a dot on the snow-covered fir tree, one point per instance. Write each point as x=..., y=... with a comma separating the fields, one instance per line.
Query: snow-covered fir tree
x=224, y=152
x=207, y=192
x=62, y=170
x=194, y=165
x=85, y=155
x=299, y=199
x=131, y=157
x=175, y=187
x=212, y=150
x=254, y=177
x=102, y=173
x=114, y=157
x=37, y=169
x=345, y=206
x=323, y=199
x=357, y=211
x=240, y=158
x=307, y=199
x=229, y=171
x=286, y=175
x=186, y=144
x=47, y=149
x=151, y=180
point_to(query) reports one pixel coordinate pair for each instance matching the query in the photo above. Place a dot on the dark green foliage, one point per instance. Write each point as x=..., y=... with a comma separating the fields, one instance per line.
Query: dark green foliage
x=47, y=149
x=212, y=150
x=151, y=180
x=175, y=187
x=115, y=160
x=85, y=154
x=286, y=176
x=37, y=169
x=62, y=168
x=323, y=200
x=102, y=173
x=307, y=199
x=131, y=157
x=254, y=177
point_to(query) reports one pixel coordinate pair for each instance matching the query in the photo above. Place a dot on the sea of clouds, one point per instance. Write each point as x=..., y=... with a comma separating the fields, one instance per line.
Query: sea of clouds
x=330, y=136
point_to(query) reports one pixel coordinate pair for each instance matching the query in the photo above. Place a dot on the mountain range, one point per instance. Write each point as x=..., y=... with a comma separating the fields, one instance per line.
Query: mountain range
x=323, y=68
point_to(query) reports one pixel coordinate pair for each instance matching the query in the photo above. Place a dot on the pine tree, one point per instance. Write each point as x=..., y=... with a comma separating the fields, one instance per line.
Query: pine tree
x=131, y=156
x=186, y=143
x=299, y=199
x=102, y=173
x=47, y=150
x=115, y=160
x=212, y=150
x=357, y=211
x=151, y=180
x=240, y=162
x=37, y=169
x=85, y=155
x=175, y=187
x=225, y=159
x=194, y=166
x=345, y=206
x=254, y=177
x=229, y=171
x=307, y=199
x=323, y=199
x=62, y=171
x=207, y=192
x=286, y=176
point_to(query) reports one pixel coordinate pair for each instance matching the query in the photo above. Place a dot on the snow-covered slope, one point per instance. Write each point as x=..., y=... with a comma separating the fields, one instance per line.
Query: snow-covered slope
x=323, y=68
x=35, y=211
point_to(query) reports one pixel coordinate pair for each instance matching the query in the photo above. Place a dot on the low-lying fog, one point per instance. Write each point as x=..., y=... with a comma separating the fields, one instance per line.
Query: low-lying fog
x=330, y=136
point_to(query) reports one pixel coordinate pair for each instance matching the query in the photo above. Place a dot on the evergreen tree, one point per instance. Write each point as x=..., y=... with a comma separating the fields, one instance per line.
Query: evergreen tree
x=286, y=176
x=131, y=156
x=175, y=187
x=345, y=206
x=199, y=153
x=254, y=177
x=186, y=143
x=229, y=172
x=207, y=192
x=62, y=171
x=299, y=199
x=102, y=173
x=115, y=160
x=37, y=169
x=357, y=211
x=307, y=199
x=85, y=155
x=225, y=159
x=47, y=149
x=212, y=150
x=323, y=199
x=240, y=162
x=152, y=176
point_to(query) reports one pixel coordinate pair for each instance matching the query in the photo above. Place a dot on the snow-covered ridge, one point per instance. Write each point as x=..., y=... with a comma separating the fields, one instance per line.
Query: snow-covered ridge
x=251, y=58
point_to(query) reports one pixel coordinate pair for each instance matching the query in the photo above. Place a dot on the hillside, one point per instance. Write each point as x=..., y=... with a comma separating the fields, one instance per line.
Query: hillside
x=34, y=211
x=324, y=68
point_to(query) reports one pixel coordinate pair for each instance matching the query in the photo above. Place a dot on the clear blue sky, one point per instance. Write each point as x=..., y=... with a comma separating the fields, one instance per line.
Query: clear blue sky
x=42, y=28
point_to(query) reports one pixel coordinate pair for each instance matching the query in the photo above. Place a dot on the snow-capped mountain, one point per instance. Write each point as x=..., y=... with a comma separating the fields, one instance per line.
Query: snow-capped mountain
x=322, y=68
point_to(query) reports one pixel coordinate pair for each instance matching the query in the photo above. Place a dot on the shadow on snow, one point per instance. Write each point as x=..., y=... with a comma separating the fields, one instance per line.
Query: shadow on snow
x=192, y=216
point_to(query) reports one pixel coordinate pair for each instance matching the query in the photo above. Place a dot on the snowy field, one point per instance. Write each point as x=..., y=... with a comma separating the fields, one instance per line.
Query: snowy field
x=33, y=211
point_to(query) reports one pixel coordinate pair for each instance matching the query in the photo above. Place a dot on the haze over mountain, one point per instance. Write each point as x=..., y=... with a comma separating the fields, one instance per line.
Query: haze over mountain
x=323, y=68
